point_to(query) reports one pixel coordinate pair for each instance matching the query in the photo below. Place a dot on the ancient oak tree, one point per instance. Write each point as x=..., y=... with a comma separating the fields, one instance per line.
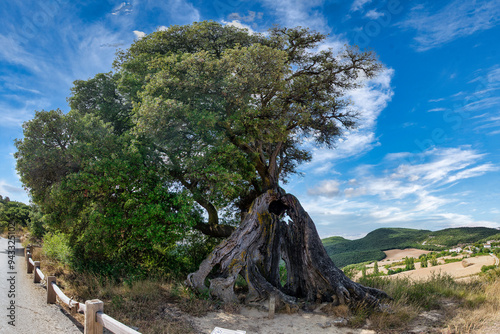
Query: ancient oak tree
x=229, y=112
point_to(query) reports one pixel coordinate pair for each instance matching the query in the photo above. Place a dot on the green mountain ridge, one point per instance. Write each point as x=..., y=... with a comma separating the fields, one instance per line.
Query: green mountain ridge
x=370, y=248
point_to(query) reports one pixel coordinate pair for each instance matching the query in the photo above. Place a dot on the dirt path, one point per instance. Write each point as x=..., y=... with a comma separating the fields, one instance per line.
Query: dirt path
x=29, y=311
x=254, y=321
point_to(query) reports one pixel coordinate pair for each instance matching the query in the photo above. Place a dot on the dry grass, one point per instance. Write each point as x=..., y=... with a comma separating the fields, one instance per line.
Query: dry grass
x=478, y=315
x=156, y=306
x=439, y=303
x=396, y=316
x=153, y=306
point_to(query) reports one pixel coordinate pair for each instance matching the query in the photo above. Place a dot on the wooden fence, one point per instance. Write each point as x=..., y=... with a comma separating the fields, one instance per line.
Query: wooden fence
x=95, y=319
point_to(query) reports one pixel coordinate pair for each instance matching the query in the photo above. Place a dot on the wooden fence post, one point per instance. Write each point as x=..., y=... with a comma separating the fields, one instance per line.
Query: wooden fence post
x=51, y=294
x=27, y=251
x=36, y=277
x=30, y=266
x=91, y=308
x=272, y=305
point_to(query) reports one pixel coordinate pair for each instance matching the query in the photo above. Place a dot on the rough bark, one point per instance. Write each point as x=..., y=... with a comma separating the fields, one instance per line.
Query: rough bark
x=215, y=230
x=255, y=250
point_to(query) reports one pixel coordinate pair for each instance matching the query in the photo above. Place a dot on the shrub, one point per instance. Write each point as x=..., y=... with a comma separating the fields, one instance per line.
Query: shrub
x=409, y=263
x=56, y=247
x=486, y=268
x=452, y=260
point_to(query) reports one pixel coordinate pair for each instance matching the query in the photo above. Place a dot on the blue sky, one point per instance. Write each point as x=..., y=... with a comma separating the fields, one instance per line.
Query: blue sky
x=426, y=153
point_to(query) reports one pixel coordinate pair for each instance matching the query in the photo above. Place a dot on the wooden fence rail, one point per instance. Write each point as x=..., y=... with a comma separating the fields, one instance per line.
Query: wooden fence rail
x=95, y=319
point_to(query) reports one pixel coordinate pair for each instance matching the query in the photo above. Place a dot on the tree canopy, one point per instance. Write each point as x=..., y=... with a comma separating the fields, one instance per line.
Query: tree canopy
x=13, y=212
x=194, y=123
x=230, y=111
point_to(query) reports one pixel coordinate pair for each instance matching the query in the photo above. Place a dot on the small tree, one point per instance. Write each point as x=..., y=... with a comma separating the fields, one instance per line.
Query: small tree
x=375, y=268
x=409, y=263
x=423, y=262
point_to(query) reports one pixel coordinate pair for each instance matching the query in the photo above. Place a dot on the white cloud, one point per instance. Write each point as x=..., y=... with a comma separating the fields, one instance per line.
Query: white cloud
x=459, y=220
x=400, y=193
x=359, y=4
x=15, y=193
x=251, y=17
x=369, y=100
x=238, y=24
x=442, y=164
x=473, y=172
x=182, y=11
x=436, y=109
x=139, y=34
x=479, y=105
x=12, y=117
x=457, y=19
x=354, y=192
x=293, y=13
x=328, y=188
x=373, y=14
x=123, y=8
x=437, y=100
x=12, y=52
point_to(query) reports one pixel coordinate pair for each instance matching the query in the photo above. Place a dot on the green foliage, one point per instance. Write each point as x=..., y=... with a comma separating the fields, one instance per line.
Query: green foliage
x=409, y=263
x=231, y=113
x=57, y=246
x=112, y=205
x=99, y=96
x=346, y=258
x=454, y=236
x=424, y=294
x=350, y=271
x=36, y=225
x=491, y=237
x=396, y=271
x=423, y=261
x=283, y=274
x=487, y=268
x=433, y=261
x=370, y=248
x=12, y=212
x=452, y=260
x=203, y=116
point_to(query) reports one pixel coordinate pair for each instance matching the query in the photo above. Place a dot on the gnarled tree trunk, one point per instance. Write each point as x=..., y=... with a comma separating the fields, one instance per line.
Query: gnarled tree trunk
x=257, y=246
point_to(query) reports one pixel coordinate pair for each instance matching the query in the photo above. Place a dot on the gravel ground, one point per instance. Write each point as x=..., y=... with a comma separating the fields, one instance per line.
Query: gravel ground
x=29, y=311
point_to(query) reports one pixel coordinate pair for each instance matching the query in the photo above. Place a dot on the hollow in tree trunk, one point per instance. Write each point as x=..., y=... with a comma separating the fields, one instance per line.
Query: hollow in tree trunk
x=261, y=242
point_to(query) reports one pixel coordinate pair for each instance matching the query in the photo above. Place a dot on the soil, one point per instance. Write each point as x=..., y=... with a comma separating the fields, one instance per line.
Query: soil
x=458, y=270
x=255, y=321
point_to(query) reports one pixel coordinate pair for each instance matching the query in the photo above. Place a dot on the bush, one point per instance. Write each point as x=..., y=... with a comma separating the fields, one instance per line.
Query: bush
x=409, y=263
x=56, y=247
x=423, y=294
x=452, y=260
x=486, y=268
x=35, y=222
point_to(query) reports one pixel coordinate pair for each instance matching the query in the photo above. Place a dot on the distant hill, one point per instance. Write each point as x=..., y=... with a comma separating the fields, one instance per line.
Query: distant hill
x=371, y=247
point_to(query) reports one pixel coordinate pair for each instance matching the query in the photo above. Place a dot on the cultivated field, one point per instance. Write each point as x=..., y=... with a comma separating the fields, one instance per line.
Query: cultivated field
x=465, y=268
